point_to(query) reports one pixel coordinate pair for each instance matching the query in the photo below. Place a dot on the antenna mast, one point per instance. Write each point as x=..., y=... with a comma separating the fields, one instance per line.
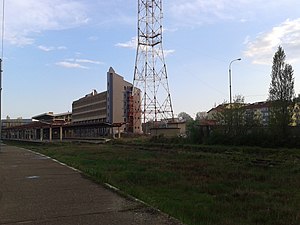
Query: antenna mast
x=150, y=73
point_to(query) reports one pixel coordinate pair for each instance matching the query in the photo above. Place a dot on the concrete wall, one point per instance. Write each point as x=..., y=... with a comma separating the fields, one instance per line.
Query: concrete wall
x=166, y=132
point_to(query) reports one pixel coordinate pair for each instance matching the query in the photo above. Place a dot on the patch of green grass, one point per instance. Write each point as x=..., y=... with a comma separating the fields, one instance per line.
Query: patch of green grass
x=202, y=185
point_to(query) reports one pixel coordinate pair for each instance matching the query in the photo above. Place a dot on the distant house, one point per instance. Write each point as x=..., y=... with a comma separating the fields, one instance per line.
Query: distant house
x=51, y=117
x=213, y=113
x=216, y=114
x=296, y=115
x=259, y=111
x=167, y=128
x=8, y=122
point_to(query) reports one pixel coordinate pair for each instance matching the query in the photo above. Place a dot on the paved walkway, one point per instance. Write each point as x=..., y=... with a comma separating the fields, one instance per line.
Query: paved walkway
x=35, y=190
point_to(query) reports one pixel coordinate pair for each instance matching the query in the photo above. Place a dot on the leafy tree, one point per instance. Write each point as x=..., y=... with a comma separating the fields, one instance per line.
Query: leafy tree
x=237, y=115
x=195, y=132
x=201, y=116
x=185, y=116
x=232, y=117
x=281, y=93
x=253, y=119
x=191, y=126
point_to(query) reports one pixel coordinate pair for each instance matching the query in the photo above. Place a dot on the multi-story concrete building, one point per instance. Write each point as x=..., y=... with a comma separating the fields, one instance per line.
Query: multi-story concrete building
x=93, y=116
x=259, y=111
x=90, y=109
x=112, y=106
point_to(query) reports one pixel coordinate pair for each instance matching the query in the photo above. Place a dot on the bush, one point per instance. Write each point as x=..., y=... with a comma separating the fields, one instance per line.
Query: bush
x=254, y=137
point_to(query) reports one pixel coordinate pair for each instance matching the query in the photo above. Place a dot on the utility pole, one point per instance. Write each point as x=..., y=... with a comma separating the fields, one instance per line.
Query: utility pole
x=1, y=60
x=0, y=102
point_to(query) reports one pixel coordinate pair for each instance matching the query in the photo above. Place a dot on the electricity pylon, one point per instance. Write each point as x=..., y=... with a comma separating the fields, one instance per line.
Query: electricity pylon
x=150, y=73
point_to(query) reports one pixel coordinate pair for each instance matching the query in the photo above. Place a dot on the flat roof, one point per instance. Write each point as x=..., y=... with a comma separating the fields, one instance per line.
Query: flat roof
x=44, y=116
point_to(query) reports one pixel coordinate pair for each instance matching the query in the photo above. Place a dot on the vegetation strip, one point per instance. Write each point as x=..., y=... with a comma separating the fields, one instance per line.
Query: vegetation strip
x=197, y=185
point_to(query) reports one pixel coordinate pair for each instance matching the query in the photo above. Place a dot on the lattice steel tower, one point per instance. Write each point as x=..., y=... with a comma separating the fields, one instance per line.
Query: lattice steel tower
x=150, y=73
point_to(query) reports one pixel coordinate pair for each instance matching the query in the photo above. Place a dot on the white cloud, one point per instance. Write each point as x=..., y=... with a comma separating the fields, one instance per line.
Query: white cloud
x=78, y=63
x=71, y=65
x=287, y=34
x=62, y=48
x=169, y=52
x=199, y=12
x=51, y=48
x=132, y=44
x=88, y=61
x=27, y=18
x=93, y=38
x=46, y=49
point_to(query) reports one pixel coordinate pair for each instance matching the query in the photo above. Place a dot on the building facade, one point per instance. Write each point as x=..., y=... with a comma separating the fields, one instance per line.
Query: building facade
x=112, y=106
x=93, y=116
x=259, y=112
x=90, y=109
x=256, y=112
x=8, y=122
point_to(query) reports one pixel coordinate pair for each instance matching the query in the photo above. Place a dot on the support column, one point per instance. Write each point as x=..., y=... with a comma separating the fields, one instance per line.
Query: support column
x=61, y=133
x=50, y=134
x=113, y=133
x=35, y=134
x=42, y=134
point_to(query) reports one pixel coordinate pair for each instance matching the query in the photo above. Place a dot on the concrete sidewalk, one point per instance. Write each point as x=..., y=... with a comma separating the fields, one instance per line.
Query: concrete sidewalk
x=36, y=190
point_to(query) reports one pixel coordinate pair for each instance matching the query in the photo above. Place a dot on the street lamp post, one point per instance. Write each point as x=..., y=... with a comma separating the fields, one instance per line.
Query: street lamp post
x=230, y=96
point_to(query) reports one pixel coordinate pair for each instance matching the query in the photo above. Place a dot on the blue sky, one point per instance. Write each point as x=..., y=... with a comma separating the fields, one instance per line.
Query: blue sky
x=56, y=51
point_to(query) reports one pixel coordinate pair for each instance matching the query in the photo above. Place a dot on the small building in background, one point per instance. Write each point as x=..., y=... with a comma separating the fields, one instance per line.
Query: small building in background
x=8, y=122
x=168, y=128
x=51, y=117
x=259, y=112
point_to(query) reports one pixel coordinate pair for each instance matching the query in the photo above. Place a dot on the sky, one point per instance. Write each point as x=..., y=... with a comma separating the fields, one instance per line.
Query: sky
x=57, y=51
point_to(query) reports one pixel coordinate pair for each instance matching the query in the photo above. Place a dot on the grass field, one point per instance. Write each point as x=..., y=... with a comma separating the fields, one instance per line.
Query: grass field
x=196, y=184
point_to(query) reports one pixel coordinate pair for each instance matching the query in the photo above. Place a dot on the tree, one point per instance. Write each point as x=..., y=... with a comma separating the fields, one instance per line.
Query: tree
x=185, y=116
x=281, y=93
x=193, y=129
x=232, y=117
x=201, y=116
